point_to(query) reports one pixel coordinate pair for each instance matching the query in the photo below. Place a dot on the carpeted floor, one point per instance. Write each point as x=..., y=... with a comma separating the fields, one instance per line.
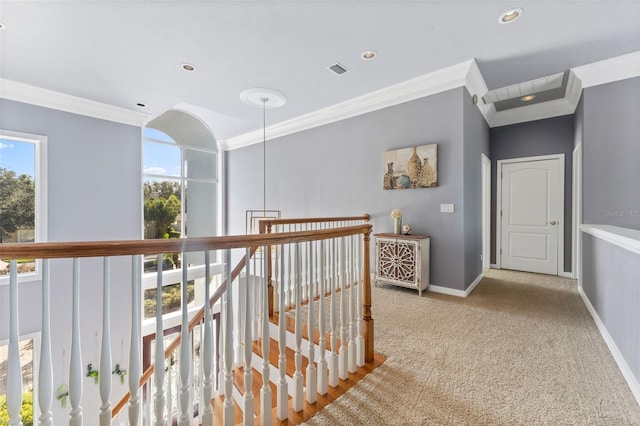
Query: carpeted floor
x=522, y=349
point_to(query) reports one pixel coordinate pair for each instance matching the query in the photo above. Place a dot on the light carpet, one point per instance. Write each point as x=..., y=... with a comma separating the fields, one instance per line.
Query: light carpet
x=522, y=349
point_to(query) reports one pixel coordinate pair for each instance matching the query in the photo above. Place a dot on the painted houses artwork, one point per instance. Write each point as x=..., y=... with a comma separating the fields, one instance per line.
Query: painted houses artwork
x=415, y=167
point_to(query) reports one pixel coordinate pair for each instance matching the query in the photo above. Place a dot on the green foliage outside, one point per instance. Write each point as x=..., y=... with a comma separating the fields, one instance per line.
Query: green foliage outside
x=161, y=189
x=161, y=213
x=171, y=299
x=161, y=207
x=26, y=411
x=17, y=202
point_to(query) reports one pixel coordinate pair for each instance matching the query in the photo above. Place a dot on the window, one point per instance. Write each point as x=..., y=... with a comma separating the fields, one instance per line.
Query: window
x=22, y=196
x=180, y=195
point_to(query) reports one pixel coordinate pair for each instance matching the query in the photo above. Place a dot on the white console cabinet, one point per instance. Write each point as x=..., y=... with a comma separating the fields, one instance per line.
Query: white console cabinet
x=402, y=260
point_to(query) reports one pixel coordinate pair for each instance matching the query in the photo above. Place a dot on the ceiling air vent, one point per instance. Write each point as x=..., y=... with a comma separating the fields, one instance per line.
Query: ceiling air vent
x=338, y=68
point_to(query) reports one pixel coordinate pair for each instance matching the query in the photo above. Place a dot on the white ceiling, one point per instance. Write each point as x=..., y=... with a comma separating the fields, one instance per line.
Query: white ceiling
x=125, y=52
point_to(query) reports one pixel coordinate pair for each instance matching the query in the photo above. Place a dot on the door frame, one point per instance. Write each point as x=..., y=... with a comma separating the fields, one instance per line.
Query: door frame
x=561, y=165
x=576, y=240
x=486, y=211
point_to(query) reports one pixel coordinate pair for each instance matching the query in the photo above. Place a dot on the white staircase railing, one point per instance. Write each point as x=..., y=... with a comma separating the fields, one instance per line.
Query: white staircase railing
x=293, y=272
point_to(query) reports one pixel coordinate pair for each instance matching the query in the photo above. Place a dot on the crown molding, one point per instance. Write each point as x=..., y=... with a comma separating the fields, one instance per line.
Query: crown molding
x=419, y=87
x=609, y=70
x=26, y=93
x=558, y=107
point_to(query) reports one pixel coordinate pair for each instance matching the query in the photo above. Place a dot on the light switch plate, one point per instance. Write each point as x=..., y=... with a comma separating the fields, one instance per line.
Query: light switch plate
x=446, y=208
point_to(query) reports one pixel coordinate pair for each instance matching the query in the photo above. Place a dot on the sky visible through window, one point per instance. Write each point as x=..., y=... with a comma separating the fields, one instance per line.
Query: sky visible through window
x=159, y=158
x=17, y=156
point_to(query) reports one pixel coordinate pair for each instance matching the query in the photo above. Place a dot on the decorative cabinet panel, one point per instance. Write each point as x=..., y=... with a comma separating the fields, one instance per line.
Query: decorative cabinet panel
x=402, y=260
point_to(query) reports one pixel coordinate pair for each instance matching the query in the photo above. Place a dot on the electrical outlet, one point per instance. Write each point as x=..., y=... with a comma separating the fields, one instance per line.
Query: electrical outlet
x=446, y=208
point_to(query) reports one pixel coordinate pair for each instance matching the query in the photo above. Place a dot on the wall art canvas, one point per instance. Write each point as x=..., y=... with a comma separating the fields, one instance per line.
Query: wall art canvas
x=415, y=167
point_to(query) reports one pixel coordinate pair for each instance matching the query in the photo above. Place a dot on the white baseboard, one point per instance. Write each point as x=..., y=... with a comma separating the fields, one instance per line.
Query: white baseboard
x=453, y=291
x=494, y=266
x=474, y=284
x=632, y=381
x=446, y=290
x=566, y=275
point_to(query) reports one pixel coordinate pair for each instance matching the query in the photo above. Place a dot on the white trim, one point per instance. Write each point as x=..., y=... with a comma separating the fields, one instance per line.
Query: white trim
x=566, y=275
x=26, y=93
x=446, y=290
x=613, y=348
x=559, y=157
x=419, y=87
x=476, y=85
x=626, y=238
x=455, y=292
x=473, y=285
x=609, y=70
x=494, y=266
x=576, y=206
x=486, y=210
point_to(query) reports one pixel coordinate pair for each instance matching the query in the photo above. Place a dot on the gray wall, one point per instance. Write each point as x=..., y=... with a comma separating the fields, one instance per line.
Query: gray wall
x=610, y=281
x=476, y=143
x=607, y=120
x=542, y=137
x=337, y=169
x=94, y=193
x=611, y=154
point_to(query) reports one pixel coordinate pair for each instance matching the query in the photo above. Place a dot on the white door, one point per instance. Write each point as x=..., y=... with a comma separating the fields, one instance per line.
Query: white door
x=530, y=215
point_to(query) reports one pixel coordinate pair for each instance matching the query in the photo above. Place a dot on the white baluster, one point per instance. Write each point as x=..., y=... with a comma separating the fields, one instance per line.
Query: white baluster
x=207, y=348
x=352, y=307
x=134, y=345
x=105, y=348
x=75, y=369
x=14, y=370
x=333, y=357
x=282, y=386
x=312, y=379
x=322, y=363
x=186, y=415
x=344, y=348
x=290, y=279
x=45, y=375
x=297, y=376
x=228, y=412
x=276, y=288
x=248, y=325
x=359, y=277
x=169, y=394
x=158, y=373
x=265, y=391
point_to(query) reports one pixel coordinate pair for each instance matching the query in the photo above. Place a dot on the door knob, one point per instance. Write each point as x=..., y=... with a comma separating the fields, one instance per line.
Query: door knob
x=553, y=222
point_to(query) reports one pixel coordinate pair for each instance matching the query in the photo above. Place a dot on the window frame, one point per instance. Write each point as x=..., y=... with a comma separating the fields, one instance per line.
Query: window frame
x=40, y=180
x=184, y=180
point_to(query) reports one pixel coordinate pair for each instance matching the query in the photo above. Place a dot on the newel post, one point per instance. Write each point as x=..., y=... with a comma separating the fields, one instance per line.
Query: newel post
x=367, y=320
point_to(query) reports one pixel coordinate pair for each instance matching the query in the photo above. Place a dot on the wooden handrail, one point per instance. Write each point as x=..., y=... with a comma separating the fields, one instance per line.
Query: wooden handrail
x=148, y=247
x=269, y=222
x=198, y=317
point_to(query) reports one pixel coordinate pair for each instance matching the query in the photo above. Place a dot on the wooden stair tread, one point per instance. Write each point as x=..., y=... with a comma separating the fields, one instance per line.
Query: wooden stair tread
x=308, y=409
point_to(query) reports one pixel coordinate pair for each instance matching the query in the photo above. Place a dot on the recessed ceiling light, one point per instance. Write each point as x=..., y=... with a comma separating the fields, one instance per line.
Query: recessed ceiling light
x=368, y=55
x=140, y=104
x=188, y=67
x=528, y=98
x=510, y=15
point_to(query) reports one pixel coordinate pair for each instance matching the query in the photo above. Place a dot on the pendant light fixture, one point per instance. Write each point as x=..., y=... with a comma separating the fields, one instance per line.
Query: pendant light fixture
x=264, y=98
